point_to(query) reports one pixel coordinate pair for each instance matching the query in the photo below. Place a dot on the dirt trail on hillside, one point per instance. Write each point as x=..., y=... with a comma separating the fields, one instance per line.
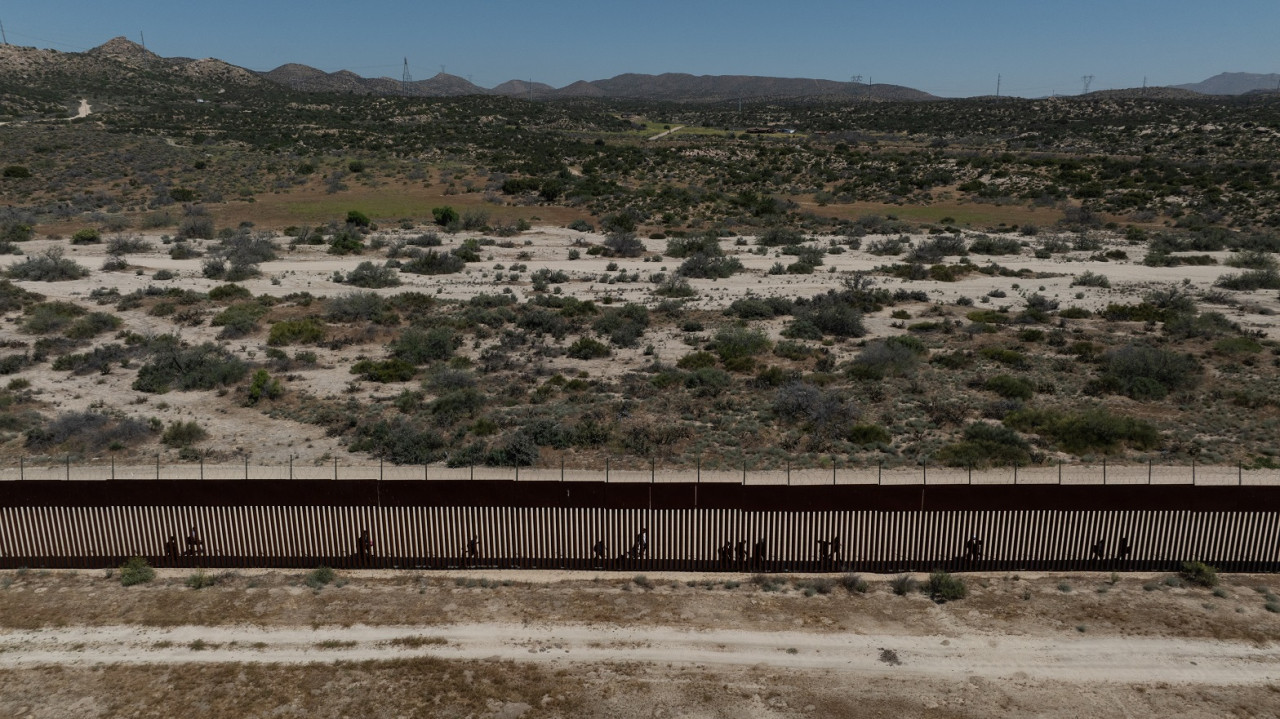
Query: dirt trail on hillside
x=1084, y=659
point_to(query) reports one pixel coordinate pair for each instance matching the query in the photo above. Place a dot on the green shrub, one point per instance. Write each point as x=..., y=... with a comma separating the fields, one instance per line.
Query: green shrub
x=1199, y=573
x=893, y=357
x=263, y=385
x=946, y=587
x=444, y=216
x=172, y=366
x=694, y=360
x=48, y=266
x=87, y=236
x=183, y=434
x=229, y=293
x=435, y=263
x=304, y=330
x=586, y=348
x=1090, y=279
x=863, y=434
x=17, y=172
x=385, y=371
x=371, y=276
x=1093, y=430
x=319, y=577
x=903, y=584
x=136, y=571
x=92, y=325
x=418, y=346
x=398, y=440
x=238, y=320
x=1237, y=346
x=1148, y=373
x=986, y=445
x=1013, y=358
x=1010, y=387
x=346, y=241
x=50, y=317
x=200, y=579
x=361, y=307
x=1267, y=279
x=735, y=344
x=357, y=218
x=853, y=583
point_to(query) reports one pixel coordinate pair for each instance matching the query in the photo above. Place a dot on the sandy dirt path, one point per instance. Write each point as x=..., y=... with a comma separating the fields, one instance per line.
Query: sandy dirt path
x=664, y=133
x=1083, y=659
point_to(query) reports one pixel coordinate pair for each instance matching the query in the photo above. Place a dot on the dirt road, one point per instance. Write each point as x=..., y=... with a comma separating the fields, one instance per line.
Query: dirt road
x=1083, y=659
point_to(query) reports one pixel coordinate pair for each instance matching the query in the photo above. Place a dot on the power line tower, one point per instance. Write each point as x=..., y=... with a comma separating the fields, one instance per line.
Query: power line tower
x=1087, y=80
x=3, y=37
x=143, y=38
x=998, y=79
x=405, y=79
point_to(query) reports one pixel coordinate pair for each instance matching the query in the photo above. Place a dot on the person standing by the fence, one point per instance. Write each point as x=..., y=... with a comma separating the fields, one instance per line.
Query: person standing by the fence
x=364, y=546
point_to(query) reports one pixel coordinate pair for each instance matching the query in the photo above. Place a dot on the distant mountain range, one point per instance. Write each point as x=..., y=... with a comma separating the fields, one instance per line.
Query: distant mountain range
x=124, y=61
x=675, y=87
x=1235, y=83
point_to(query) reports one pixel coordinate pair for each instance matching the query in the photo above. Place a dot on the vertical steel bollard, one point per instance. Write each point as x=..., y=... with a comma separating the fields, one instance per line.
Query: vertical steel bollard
x=157, y=466
x=22, y=468
x=68, y=468
x=379, y=469
x=473, y=471
x=1148, y=472
x=562, y=468
x=606, y=470
x=1239, y=473
x=744, y=472
x=1059, y=472
x=1015, y=474
x=291, y=466
x=833, y=473
x=699, y=479
x=789, y=471
x=201, y=466
x=879, y=471
x=1193, y=471
x=653, y=470
x=113, y=466
x=517, y=463
x=335, y=469
x=1104, y=471
x=246, y=466
x=924, y=468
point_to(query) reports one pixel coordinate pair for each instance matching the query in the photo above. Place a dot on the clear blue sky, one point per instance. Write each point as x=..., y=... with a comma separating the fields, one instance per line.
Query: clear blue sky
x=947, y=47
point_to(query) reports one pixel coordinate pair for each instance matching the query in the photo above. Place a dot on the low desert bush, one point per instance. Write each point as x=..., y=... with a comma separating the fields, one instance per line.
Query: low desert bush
x=903, y=584
x=1200, y=574
x=48, y=266
x=946, y=587
x=136, y=571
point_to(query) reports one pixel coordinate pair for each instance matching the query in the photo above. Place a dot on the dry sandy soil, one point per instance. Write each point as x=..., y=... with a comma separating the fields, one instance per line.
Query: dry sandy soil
x=538, y=644
x=236, y=431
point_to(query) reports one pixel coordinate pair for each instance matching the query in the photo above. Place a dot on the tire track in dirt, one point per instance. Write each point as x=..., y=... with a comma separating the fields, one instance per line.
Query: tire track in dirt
x=1074, y=660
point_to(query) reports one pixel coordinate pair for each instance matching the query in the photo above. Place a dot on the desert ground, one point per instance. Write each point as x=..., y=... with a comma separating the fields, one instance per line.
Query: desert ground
x=532, y=644
x=272, y=440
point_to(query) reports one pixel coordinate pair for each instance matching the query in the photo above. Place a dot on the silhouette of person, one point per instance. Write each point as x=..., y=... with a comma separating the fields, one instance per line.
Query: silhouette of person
x=1099, y=549
x=759, y=552
x=171, y=548
x=742, y=550
x=641, y=546
x=824, y=550
x=1123, y=550
x=195, y=545
x=726, y=552
x=598, y=549
x=973, y=548
x=471, y=551
x=364, y=545
x=835, y=548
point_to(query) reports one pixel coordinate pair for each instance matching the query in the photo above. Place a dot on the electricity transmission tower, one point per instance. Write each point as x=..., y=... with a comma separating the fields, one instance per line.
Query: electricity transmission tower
x=1087, y=80
x=405, y=79
x=998, y=79
x=3, y=37
x=856, y=80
